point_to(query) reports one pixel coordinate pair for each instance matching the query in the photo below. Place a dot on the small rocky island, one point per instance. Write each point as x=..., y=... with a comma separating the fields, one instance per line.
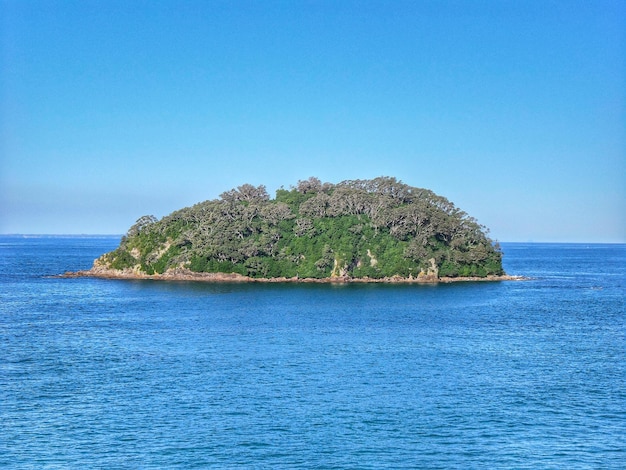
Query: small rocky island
x=378, y=230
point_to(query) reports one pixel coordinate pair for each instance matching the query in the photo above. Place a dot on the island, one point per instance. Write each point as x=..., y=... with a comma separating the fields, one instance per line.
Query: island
x=378, y=230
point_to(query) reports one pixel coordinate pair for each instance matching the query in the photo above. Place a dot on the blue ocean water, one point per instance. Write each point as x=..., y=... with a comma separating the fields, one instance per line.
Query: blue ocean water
x=144, y=374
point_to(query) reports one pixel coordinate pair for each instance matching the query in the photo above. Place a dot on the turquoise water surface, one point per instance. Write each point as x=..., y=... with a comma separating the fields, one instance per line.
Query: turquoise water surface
x=145, y=374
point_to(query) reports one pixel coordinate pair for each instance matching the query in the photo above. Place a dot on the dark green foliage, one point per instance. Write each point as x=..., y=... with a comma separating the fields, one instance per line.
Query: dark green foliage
x=120, y=259
x=362, y=228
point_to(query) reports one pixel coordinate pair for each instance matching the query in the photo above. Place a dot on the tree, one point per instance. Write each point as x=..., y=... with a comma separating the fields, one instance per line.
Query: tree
x=246, y=192
x=142, y=223
x=311, y=185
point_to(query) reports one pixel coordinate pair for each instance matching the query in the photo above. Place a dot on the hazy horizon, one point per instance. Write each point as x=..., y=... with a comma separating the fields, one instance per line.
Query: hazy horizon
x=119, y=235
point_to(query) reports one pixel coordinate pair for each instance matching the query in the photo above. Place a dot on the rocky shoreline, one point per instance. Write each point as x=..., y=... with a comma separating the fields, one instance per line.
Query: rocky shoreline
x=181, y=274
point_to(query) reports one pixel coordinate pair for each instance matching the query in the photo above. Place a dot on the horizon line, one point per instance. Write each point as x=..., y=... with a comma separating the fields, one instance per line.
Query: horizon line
x=112, y=235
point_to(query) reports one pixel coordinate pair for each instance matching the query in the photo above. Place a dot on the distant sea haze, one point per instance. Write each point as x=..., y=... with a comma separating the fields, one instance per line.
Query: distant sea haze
x=99, y=373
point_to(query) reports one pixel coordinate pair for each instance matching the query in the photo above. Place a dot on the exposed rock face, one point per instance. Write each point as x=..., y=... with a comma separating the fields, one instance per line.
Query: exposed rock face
x=339, y=269
x=432, y=273
x=373, y=261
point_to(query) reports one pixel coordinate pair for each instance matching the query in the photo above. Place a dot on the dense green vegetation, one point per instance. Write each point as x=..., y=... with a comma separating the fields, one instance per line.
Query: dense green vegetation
x=361, y=228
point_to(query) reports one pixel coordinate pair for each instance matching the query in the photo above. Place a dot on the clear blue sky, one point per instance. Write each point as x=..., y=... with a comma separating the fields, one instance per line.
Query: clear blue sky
x=513, y=110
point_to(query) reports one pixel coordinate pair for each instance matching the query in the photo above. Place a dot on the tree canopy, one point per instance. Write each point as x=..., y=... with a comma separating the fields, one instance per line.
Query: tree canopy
x=358, y=228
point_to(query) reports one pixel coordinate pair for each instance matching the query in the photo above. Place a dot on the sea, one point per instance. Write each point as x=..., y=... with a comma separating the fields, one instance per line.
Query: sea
x=112, y=374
